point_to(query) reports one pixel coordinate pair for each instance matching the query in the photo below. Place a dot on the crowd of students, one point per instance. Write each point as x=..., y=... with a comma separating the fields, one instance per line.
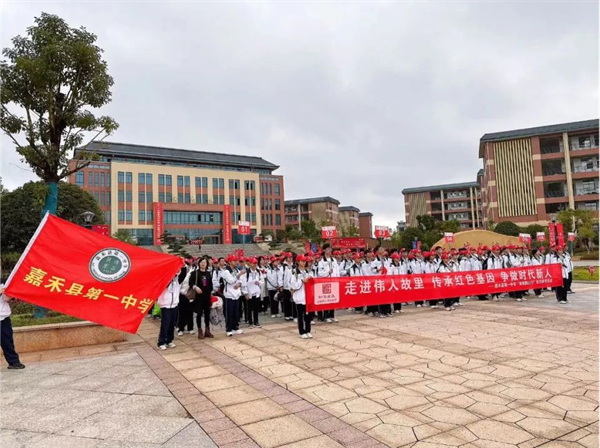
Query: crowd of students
x=254, y=286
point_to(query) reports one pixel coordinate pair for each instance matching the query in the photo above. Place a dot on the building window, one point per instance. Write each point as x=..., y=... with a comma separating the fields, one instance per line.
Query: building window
x=149, y=217
x=102, y=179
x=187, y=198
x=180, y=181
x=148, y=179
x=148, y=196
x=221, y=183
x=186, y=181
x=128, y=215
x=231, y=199
x=141, y=178
x=108, y=198
x=121, y=215
x=215, y=183
x=128, y=196
x=231, y=184
x=97, y=179
x=79, y=178
x=121, y=195
x=102, y=198
x=253, y=218
x=90, y=179
x=169, y=180
x=277, y=204
x=142, y=216
x=276, y=189
x=246, y=185
x=142, y=197
x=198, y=179
x=161, y=179
x=128, y=178
x=161, y=196
x=180, y=198
x=121, y=177
x=107, y=215
x=205, y=182
x=169, y=197
x=277, y=220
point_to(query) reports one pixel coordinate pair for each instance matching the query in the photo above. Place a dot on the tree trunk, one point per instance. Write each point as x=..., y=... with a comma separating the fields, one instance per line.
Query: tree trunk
x=50, y=205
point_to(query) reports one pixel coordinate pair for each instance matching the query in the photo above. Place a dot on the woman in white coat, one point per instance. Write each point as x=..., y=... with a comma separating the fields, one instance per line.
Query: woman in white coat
x=297, y=285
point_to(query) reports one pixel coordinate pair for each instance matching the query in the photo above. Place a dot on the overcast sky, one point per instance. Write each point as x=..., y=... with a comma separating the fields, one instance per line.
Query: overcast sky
x=353, y=100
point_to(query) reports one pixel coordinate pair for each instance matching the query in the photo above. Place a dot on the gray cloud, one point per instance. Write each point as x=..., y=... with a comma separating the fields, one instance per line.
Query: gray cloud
x=356, y=101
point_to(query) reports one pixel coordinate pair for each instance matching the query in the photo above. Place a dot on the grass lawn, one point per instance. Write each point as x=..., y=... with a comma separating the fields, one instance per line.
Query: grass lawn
x=582, y=273
x=23, y=320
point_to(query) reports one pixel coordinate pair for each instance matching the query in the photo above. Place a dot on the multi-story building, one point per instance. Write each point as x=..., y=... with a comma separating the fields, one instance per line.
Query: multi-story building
x=461, y=202
x=530, y=174
x=323, y=209
x=365, y=224
x=194, y=195
x=348, y=217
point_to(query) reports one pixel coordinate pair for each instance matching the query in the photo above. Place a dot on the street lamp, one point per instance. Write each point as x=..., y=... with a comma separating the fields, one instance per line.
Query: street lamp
x=88, y=217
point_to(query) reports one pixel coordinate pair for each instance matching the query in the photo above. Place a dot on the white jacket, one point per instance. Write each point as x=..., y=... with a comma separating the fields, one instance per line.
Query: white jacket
x=233, y=284
x=170, y=296
x=494, y=262
x=271, y=279
x=4, y=306
x=297, y=287
x=465, y=265
x=249, y=283
x=328, y=267
x=366, y=268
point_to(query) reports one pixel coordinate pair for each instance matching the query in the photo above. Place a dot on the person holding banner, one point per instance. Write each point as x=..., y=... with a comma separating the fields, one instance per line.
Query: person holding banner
x=445, y=267
x=395, y=269
x=378, y=267
x=538, y=259
x=6, y=334
x=299, y=278
x=430, y=267
x=327, y=267
x=168, y=302
x=289, y=309
x=559, y=258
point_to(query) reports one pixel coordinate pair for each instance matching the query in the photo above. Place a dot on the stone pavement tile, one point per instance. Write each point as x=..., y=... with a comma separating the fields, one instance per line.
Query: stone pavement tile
x=578, y=417
x=228, y=436
x=298, y=406
x=193, y=363
x=280, y=431
x=313, y=415
x=348, y=435
x=319, y=441
x=203, y=372
x=449, y=414
x=569, y=403
x=218, y=424
x=329, y=425
x=55, y=441
x=19, y=439
x=254, y=411
x=244, y=443
x=393, y=435
x=234, y=395
x=208, y=415
x=495, y=431
x=590, y=441
x=192, y=436
x=545, y=427
x=125, y=444
x=286, y=398
x=219, y=382
x=149, y=429
x=147, y=405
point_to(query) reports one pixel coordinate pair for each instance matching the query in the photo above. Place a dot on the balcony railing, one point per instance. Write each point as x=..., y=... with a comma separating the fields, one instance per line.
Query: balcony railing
x=554, y=194
x=551, y=149
x=584, y=191
x=579, y=147
x=585, y=169
x=552, y=171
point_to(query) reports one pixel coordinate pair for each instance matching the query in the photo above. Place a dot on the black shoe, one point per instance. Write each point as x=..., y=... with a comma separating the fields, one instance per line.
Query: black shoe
x=570, y=292
x=17, y=366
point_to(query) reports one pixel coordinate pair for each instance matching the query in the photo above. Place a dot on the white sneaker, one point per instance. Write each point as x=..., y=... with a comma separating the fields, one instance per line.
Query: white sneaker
x=541, y=296
x=563, y=302
x=238, y=331
x=496, y=299
x=397, y=311
x=309, y=335
x=434, y=306
x=304, y=336
x=279, y=315
x=418, y=306
x=162, y=347
x=171, y=345
x=448, y=308
x=273, y=316
x=329, y=320
x=180, y=333
x=191, y=332
x=335, y=320
x=296, y=320
x=230, y=333
x=519, y=300
x=459, y=304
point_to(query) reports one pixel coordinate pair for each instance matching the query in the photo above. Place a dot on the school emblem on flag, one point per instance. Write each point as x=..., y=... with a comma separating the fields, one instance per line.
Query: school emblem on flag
x=110, y=265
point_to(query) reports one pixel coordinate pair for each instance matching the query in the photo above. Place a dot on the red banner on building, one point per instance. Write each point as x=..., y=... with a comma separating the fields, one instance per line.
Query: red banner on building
x=551, y=234
x=227, y=224
x=157, y=210
x=349, y=243
x=560, y=235
x=328, y=232
x=349, y=292
x=71, y=270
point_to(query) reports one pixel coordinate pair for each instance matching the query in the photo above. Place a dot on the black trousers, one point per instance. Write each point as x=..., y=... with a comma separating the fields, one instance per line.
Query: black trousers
x=7, y=342
x=359, y=309
x=561, y=291
x=202, y=307
x=232, y=317
x=304, y=319
x=398, y=306
x=289, y=307
x=448, y=302
x=569, y=281
x=433, y=302
x=186, y=314
x=372, y=309
x=385, y=309
x=327, y=314
x=254, y=307
x=167, y=325
x=419, y=302
x=537, y=292
x=274, y=303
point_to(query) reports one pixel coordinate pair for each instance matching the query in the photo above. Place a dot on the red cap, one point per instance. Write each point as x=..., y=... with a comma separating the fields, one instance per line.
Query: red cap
x=444, y=256
x=252, y=260
x=357, y=256
x=336, y=253
x=288, y=255
x=231, y=258
x=411, y=256
x=215, y=261
x=395, y=256
x=302, y=258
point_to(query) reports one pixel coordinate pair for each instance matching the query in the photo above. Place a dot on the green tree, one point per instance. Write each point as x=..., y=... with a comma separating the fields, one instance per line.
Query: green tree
x=51, y=77
x=409, y=235
x=349, y=231
x=491, y=225
x=310, y=230
x=533, y=229
x=174, y=245
x=507, y=228
x=426, y=222
x=21, y=209
x=452, y=226
x=583, y=221
x=125, y=236
x=292, y=232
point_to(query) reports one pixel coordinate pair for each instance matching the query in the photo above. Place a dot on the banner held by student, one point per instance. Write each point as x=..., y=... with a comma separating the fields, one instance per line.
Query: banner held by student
x=69, y=269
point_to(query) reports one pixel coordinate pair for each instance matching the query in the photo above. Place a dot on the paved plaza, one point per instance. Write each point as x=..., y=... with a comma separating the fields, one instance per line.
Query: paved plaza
x=489, y=375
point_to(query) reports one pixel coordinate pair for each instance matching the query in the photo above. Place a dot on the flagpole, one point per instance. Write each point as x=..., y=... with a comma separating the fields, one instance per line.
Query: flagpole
x=31, y=241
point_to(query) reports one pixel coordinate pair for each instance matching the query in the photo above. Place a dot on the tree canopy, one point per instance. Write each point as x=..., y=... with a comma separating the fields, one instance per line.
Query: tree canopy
x=51, y=77
x=507, y=228
x=22, y=207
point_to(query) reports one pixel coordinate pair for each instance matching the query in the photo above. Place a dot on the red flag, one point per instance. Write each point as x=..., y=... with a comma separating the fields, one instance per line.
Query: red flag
x=348, y=292
x=560, y=236
x=552, y=234
x=74, y=271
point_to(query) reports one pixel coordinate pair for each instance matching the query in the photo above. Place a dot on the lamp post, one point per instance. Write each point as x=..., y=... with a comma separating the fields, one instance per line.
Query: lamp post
x=88, y=217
